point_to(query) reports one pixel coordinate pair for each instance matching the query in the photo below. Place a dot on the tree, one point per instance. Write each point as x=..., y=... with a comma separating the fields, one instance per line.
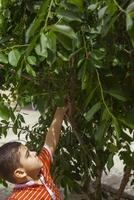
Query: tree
x=81, y=48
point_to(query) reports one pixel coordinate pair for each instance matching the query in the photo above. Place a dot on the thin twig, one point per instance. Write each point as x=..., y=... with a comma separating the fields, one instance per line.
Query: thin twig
x=102, y=96
x=120, y=8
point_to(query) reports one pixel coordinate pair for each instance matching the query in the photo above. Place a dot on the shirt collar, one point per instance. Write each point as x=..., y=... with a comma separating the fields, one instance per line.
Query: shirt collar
x=27, y=184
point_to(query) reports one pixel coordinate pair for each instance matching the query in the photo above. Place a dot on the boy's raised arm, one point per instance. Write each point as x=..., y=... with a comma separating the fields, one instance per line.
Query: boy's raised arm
x=53, y=133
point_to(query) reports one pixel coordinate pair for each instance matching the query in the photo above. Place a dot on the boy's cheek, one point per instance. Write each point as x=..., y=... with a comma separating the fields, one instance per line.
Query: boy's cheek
x=40, y=162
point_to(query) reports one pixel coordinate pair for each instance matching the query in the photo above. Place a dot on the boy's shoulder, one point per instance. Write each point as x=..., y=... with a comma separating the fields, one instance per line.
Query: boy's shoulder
x=28, y=193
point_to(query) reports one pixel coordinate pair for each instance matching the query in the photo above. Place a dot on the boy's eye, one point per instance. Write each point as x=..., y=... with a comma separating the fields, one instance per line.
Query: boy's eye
x=27, y=154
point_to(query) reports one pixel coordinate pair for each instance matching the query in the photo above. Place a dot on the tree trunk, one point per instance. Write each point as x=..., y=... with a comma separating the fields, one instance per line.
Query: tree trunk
x=98, y=190
x=124, y=182
x=87, y=189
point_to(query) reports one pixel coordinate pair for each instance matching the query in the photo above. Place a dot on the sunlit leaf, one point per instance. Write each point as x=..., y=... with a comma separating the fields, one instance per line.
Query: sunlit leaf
x=117, y=128
x=30, y=70
x=38, y=50
x=43, y=42
x=3, y=58
x=102, y=12
x=68, y=15
x=129, y=22
x=130, y=8
x=31, y=60
x=14, y=57
x=51, y=41
x=92, y=7
x=64, y=29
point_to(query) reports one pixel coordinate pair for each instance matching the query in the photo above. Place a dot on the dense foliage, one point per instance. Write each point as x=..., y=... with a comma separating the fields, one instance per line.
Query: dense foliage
x=83, y=48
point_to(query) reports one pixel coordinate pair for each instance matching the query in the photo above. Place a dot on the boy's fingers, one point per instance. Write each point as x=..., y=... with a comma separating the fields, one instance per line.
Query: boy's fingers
x=69, y=110
x=67, y=105
x=66, y=100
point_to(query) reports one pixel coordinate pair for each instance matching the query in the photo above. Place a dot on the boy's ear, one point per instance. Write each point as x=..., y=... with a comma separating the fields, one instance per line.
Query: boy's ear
x=19, y=173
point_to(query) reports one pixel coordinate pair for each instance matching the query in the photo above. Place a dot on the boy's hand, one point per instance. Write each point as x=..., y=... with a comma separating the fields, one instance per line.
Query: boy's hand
x=66, y=109
x=67, y=105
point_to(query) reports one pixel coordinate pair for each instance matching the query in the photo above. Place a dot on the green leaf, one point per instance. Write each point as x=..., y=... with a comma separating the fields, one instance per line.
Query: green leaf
x=129, y=22
x=19, y=72
x=102, y=12
x=110, y=162
x=21, y=118
x=130, y=117
x=3, y=58
x=64, y=29
x=117, y=93
x=89, y=97
x=100, y=133
x=128, y=120
x=105, y=115
x=51, y=41
x=127, y=157
x=126, y=137
x=51, y=57
x=4, y=111
x=89, y=115
x=112, y=148
x=108, y=23
x=98, y=54
x=30, y=70
x=92, y=7
x=117, y=128
x=12, y=115
x=68, y=15
x=126, y=123
x=43, y=42
x=83, y=74
x=15, y=127
x=63, y=56
x=112, y=8
x=41, y=48
x=30, y=30
x=84, y=77
x=130, y=8
x=14, y=57
x=31, y=60
x=65, y=41
x=131, y=14
x=85, y=81
x=38, y=20
x=38, y=50
x=78, y=3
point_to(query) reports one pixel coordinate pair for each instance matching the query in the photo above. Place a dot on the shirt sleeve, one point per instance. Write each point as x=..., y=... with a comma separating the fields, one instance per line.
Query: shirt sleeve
x=46, y=156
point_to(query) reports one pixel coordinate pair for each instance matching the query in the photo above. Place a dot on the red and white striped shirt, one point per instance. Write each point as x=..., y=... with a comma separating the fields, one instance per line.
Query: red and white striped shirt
x=32, y=191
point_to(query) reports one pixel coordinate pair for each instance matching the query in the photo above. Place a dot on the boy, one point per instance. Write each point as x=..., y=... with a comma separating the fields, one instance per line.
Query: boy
x=31, y=173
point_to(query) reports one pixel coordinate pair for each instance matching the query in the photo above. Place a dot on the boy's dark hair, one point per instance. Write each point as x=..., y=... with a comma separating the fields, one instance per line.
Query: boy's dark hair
x=9, y=160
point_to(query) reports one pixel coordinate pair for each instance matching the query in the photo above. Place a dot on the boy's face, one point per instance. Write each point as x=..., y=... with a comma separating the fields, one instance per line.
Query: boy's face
x=29, y=161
